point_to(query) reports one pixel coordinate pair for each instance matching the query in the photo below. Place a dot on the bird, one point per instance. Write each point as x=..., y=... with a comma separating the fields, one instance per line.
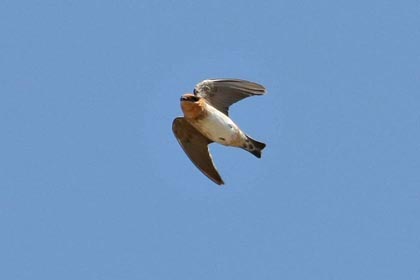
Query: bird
x=206, y=120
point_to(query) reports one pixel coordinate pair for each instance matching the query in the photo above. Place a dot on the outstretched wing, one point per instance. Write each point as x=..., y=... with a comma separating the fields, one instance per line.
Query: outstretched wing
x=221, y=93
x=195, y=145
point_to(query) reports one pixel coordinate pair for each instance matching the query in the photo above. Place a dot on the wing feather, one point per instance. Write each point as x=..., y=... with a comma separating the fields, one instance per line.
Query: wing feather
x=221, y=93
x=195, y=145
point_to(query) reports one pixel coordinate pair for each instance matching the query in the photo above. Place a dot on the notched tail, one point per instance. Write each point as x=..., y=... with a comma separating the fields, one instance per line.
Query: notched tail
x=253, y=146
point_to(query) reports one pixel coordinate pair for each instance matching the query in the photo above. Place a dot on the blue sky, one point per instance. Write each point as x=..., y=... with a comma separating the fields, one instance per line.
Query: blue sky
x=93, y=185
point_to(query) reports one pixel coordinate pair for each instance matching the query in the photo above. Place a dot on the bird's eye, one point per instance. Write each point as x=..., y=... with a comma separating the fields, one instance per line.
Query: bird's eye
x=195, y=92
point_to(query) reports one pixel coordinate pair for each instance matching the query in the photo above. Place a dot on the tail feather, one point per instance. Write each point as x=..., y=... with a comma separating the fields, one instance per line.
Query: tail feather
x=254, y=147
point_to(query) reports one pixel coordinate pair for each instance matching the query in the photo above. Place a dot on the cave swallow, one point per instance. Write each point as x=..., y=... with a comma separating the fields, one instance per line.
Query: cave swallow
x=206, y=120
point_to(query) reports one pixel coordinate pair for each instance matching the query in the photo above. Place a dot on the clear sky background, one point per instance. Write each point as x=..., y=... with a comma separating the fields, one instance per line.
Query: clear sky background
x=93, y=184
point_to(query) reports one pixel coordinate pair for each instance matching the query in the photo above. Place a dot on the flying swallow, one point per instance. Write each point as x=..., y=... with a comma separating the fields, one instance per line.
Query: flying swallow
x=206, y=120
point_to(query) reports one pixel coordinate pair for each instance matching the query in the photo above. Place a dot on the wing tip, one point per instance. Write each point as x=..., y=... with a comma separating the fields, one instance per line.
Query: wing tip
x=219, y=182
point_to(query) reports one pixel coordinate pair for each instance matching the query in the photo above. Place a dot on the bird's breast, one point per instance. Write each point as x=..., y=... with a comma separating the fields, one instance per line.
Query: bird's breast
x=219, y=128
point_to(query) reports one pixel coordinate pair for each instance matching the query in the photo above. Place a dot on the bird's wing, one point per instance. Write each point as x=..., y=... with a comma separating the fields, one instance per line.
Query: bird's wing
x=221, y=93
x=195, y=145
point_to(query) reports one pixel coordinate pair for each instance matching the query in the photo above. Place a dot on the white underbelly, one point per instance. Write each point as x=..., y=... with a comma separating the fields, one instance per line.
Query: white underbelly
x=219, y=128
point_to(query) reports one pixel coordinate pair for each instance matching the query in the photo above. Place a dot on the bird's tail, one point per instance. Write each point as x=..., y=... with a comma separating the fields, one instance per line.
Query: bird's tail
x=253, y=146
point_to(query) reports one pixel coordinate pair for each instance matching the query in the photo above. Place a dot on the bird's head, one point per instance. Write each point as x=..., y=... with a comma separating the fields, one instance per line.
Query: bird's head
x=188, y=97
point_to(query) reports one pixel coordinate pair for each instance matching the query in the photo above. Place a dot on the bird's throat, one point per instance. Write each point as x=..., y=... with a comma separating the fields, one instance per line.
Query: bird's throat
x=193, y=110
